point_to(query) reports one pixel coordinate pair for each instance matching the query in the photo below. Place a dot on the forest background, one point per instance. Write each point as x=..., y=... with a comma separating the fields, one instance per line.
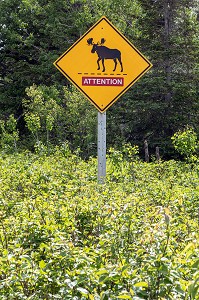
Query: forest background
x=38, y=106
x=63, y=235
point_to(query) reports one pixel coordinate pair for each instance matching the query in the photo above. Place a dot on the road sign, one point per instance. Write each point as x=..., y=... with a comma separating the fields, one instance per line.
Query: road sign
x=103, y=64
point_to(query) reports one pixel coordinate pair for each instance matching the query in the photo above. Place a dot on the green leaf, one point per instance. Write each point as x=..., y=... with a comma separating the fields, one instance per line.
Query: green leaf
x=125, y=296
x=42, y=264
x=141, y=284
x=193, y=288
x=195, y=264
x=102, y=272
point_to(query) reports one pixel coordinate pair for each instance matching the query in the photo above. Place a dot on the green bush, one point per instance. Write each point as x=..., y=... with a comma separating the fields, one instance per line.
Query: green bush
x=63, y=236
x=9, y=134
x=186, y=143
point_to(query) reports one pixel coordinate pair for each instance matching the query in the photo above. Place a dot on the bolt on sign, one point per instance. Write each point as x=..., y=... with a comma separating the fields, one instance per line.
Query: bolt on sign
x=103, y=64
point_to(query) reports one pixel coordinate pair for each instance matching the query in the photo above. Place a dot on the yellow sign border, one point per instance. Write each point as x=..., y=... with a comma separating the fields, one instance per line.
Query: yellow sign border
x=126, y=88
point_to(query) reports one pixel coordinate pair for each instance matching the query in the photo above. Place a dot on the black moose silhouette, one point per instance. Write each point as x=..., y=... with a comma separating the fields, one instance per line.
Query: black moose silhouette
x=105, y=53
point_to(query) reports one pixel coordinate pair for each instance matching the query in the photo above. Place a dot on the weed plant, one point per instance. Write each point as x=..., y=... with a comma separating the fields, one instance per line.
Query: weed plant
x=64, y=236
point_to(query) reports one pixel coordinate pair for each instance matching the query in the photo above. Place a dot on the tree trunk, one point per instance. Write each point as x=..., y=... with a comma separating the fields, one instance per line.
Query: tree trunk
x=157, y=153
x=167, y=29
x=146, y=151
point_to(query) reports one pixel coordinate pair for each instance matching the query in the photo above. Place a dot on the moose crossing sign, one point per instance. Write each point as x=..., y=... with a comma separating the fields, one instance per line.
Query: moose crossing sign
x=103, y=64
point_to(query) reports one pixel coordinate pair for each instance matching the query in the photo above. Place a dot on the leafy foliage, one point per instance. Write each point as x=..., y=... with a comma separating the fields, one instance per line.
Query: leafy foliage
x=35, y=32
x=9, y=134
x=186, y=143
x=63, y=236
x=52, y=121
x=41, y=111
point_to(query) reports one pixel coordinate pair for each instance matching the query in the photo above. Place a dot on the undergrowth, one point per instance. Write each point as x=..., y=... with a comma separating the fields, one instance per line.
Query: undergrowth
x=64, y=236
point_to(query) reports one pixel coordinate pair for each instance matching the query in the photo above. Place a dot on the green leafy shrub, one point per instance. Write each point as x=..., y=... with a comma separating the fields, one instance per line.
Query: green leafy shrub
x=55, y=117
x=9, y=134
x=41, y=112
x=186, y=143
x=63, y=236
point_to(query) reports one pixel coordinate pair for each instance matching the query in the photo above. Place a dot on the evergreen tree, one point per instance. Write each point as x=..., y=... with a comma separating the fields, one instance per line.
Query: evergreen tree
x=35, y=32
x=166, y=98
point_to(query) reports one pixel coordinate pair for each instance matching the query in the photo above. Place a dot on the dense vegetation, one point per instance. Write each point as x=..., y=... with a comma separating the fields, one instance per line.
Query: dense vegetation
x=63, y=236
x=36, y=32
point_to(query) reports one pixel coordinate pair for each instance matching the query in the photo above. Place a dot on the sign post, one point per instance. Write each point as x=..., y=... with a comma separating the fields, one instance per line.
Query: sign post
x=101, y=147
x=103, y=64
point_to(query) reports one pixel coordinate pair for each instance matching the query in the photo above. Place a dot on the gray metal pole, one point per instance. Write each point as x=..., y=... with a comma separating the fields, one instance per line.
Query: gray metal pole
x=101, y=147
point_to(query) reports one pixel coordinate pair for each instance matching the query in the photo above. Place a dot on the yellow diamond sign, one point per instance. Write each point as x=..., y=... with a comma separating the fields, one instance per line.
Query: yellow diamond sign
x=103, y=64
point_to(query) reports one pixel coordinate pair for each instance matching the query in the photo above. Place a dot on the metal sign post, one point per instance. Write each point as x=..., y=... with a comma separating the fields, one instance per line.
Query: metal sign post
x=101, y=147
